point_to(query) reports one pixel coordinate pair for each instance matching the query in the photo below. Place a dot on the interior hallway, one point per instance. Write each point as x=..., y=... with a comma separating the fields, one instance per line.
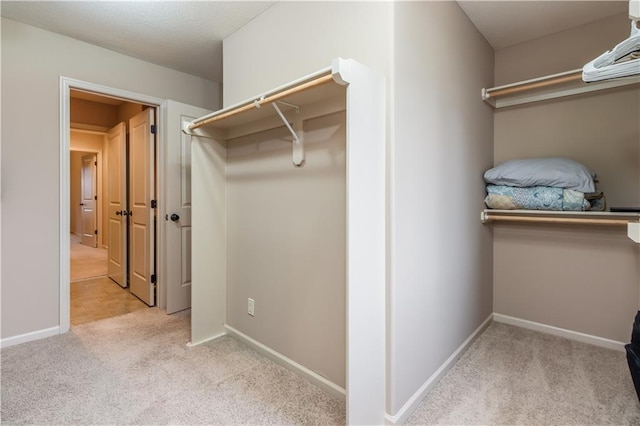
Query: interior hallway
x=93, y=295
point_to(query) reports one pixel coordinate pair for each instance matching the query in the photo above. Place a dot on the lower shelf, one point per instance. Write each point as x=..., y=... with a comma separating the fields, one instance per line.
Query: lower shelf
x=567, y=217
x=629, y=220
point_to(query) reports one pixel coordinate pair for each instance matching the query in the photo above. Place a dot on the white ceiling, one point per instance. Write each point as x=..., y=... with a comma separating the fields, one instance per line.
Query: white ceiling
x=507, y=23
x=187, y=35
x=182, y=35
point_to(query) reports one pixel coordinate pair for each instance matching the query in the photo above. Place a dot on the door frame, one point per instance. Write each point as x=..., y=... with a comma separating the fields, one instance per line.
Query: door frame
x=66, y=85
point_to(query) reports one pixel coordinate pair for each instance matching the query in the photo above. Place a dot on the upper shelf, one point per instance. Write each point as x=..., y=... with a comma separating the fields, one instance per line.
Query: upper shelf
x=313, y=89
x=549, y=87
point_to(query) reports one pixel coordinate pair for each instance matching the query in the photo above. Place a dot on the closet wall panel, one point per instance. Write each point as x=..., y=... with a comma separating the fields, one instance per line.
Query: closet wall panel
x=584, y=279
x=559, y=52
x=300, y=302
x=286, y=229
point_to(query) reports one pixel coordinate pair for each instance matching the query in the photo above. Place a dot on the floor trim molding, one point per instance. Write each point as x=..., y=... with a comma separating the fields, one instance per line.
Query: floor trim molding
x=561, y=332
x=403, y=414
x=29, y=337
x=289, y=364
x=208, y=339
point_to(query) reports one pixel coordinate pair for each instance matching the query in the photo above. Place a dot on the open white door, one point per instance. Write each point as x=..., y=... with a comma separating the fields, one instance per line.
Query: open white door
x=142, y=214
x=177, y=251
x=117, y=201
x=88, y=200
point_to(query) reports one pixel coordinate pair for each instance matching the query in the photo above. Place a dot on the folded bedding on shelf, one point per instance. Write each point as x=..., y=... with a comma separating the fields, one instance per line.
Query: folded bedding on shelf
x=549, y=172
x=542, y=198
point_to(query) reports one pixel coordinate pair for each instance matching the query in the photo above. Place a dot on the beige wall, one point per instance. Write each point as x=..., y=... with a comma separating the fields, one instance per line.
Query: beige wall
x=297, y=38
x=32, y=62
x=582, y=279
x=128, y=110
x=286, y=243
x=559, y=52
x=91, y=113
x=440, y=287
x=286, y=233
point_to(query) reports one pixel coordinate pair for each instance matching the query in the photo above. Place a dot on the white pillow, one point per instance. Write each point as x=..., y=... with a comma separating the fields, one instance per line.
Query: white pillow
x=556, y=172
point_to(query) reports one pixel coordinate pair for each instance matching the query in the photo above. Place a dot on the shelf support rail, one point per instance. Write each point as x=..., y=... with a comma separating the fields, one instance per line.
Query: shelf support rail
x=298, y=147
x=633, y=226
x=323, y=77
x=559, y=85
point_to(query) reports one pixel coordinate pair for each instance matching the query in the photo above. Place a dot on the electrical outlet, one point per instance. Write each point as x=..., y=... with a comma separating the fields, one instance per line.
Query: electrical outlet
x=251, y=306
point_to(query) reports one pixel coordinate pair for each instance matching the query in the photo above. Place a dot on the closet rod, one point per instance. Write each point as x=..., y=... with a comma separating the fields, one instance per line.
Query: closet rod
x=264, y=100
x=536, y=83
x=560, y=220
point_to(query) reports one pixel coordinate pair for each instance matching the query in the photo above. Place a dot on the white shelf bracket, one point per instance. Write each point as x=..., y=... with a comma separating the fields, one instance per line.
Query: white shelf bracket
x=633, y=231
x=298, y=147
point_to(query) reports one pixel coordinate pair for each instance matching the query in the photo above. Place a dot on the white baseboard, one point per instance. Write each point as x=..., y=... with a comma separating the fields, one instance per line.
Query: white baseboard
x=403, y=414
x=289, y=364
x=561, y=332
x=208, y=339
x=29, y=337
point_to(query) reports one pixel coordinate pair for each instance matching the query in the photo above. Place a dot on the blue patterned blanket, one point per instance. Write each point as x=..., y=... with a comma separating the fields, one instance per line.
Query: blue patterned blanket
x=535, y=198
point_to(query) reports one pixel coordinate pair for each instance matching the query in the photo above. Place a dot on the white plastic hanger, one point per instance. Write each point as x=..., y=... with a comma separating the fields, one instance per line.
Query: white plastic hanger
x=605, y=67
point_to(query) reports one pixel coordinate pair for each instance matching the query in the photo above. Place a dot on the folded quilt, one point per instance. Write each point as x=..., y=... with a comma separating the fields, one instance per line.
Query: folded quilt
x=535, y=198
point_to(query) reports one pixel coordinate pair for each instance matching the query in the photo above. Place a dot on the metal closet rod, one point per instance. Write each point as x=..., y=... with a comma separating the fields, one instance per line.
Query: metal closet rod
x=536, y=83
x=264, y=100
x=561, y=220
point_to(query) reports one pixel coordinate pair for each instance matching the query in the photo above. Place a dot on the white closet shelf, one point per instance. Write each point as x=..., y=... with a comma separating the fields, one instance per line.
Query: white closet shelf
x=553, y=86
x=312, y=90
x=559, y=217
x=629, y=220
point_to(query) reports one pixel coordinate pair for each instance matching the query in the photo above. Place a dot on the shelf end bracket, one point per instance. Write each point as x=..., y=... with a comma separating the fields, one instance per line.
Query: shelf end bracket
x=298, y=146
x=633, y=231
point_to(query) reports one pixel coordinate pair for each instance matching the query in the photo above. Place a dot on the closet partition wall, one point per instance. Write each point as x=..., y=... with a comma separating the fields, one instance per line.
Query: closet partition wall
x=346, y=91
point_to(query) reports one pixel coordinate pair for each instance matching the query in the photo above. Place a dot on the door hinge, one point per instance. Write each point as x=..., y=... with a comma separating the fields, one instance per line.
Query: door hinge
x=95, y=197
x=153, y=129
x=95, y=163
x=153, y=278
x=154, y=204
x=95, y=232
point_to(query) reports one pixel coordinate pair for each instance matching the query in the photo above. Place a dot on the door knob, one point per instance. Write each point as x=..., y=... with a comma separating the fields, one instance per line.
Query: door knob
x=119, y=213
x=175, y=217
x=82, y=204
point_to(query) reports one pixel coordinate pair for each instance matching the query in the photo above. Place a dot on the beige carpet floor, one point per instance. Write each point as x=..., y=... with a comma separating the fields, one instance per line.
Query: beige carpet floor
x=136, y=369
x=86, y=262
x=513, y=376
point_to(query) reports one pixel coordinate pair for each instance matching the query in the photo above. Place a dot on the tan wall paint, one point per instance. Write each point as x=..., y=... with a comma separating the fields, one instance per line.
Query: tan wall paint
x=128, y=110
x=441, y=129
x=441, y=289
x=32, y=62
x=560, y=52
x=286, y=243
x=582, y=279
x=300, y=307
x=92, y=113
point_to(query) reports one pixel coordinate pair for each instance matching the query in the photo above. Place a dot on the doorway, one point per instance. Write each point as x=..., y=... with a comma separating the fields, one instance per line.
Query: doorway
x=112, y=173
x=172, y=187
